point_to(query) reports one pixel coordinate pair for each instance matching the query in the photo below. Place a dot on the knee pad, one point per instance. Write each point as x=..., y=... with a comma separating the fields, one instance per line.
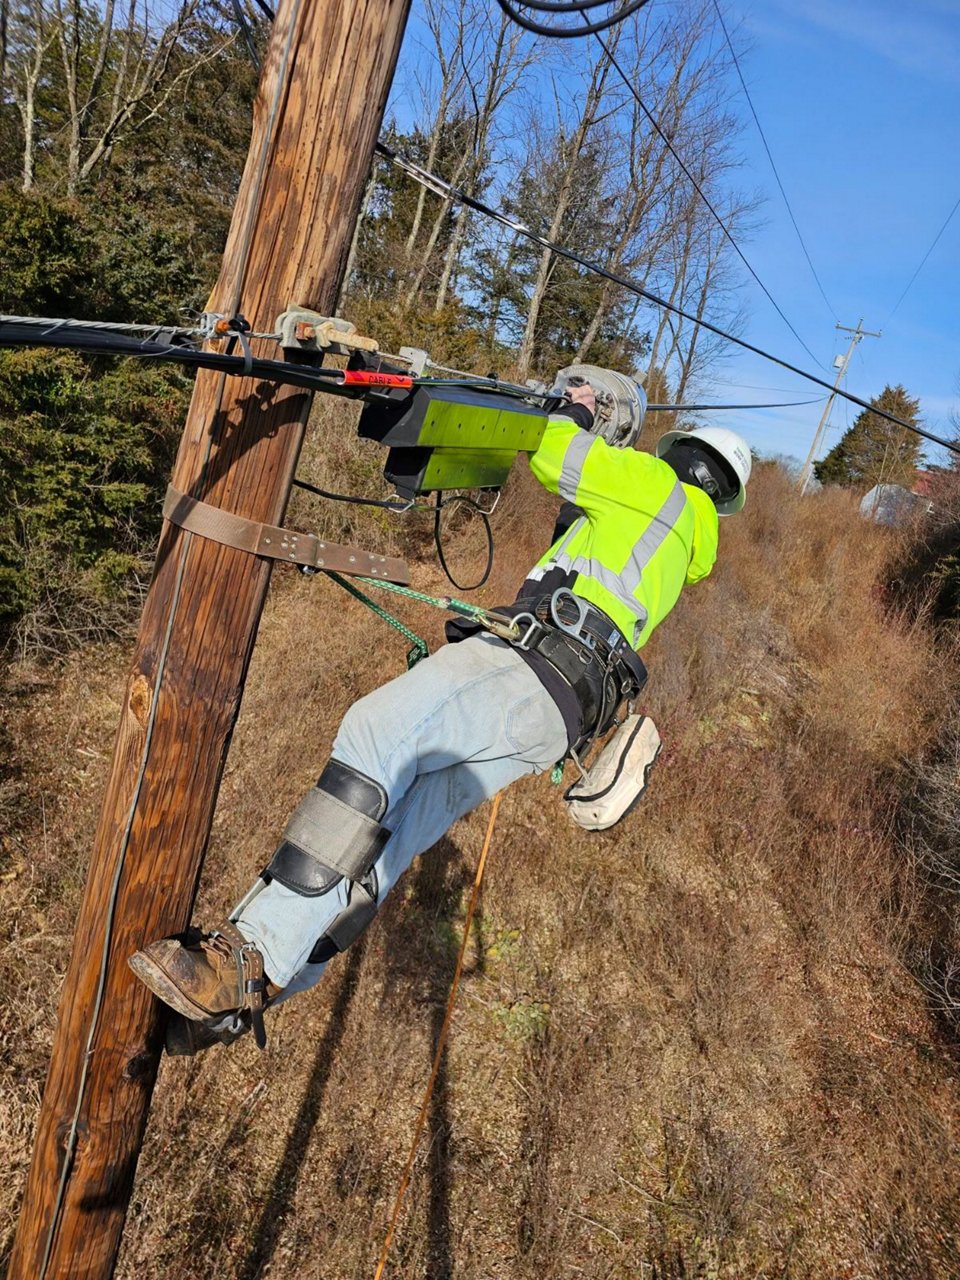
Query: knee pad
x=335, y=833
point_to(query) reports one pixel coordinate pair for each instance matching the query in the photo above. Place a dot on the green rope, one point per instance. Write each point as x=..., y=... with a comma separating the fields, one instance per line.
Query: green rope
x=441, y=602
x=418, y=648
x=447, y=603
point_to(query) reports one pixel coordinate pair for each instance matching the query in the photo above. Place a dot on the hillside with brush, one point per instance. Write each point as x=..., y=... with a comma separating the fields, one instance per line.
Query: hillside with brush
x=722, y=1039
x=705, y=1043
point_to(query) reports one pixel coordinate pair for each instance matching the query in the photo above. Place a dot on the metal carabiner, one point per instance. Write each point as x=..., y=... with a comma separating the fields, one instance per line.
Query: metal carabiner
x=571, y=629
x=533, y=625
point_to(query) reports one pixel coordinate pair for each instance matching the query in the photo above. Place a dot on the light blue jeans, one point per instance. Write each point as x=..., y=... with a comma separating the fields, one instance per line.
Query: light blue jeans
x=440, y=739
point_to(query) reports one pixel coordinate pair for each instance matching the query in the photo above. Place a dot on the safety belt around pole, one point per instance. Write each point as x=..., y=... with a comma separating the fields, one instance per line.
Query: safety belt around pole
x=276, y=543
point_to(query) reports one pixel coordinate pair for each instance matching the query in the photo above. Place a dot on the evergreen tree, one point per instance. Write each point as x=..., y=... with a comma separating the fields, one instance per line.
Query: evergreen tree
x=873, y=450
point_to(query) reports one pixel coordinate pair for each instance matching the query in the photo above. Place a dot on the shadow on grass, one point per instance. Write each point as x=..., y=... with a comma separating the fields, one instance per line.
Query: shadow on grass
x=421, y=944
x=422, y=948
x=266, y=1232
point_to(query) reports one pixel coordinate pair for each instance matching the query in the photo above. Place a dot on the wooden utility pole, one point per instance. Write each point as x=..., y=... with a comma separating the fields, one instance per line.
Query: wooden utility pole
x=840, y=364
x=321, y=99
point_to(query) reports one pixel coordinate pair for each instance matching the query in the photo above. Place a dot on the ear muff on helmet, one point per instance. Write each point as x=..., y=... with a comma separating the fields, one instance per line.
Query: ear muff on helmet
x=702, y=467
x=720, y=443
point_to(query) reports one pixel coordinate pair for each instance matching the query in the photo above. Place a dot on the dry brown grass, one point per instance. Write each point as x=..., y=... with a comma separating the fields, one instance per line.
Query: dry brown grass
x=687, y=1047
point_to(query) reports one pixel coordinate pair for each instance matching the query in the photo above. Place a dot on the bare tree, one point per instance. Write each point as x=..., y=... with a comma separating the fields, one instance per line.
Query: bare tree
x=645, y=224
x=454, y=32
x=28, y=39
x=117, y=74
x=506, y=56
x=569, y=154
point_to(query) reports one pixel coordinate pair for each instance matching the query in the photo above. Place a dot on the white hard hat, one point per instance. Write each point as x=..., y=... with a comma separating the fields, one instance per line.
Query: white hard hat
x=733, y=449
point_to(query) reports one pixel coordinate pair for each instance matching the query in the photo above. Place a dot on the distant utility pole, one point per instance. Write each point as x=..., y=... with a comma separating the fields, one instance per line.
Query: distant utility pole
x=318, y=112
x=841, y=365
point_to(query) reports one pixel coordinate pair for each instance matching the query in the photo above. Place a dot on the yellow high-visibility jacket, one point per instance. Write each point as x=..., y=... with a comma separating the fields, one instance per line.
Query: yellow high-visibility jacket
x=643, y=535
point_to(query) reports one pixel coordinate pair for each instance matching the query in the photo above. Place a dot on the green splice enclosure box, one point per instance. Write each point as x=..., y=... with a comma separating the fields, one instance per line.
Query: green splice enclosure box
x=451, y=437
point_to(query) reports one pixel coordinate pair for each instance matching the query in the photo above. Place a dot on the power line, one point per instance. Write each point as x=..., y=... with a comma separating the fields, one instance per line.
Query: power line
x=748, y=386
x=700, y=192
x=443, y=188
x=702, y=408
x=923, y=261
x=766, y=147
x=247, y=34
x=171, y=344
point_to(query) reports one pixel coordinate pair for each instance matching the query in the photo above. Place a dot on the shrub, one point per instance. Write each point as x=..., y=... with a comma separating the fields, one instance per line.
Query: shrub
x=83, y=453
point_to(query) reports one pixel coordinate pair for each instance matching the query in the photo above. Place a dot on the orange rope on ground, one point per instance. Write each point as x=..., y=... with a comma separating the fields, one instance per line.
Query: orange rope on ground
x=441, y=1042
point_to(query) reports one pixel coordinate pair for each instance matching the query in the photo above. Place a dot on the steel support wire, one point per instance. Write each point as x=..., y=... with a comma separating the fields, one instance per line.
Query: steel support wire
x=99, y=339
x=443, y=188
x=773, y=165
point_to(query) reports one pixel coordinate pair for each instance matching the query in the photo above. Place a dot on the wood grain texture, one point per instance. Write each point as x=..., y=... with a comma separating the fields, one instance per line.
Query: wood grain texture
x=318, y=112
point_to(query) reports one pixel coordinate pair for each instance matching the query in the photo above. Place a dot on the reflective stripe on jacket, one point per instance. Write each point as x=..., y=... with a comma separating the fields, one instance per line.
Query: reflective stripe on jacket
x=643, y=534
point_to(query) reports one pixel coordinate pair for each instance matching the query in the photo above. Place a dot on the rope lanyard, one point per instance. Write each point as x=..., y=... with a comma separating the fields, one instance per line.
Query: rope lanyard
x=418, y=646
x=476, y=613
x=441, y=1040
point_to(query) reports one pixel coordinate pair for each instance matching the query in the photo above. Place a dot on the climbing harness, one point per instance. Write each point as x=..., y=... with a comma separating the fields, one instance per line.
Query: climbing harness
x=578, y=640
x=441, y=1041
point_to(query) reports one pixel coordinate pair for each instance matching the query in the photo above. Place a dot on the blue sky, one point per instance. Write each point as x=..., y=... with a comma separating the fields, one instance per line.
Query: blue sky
x=860, y=103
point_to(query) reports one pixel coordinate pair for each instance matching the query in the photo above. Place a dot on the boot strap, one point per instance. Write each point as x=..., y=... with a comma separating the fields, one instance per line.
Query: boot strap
x=251, y=982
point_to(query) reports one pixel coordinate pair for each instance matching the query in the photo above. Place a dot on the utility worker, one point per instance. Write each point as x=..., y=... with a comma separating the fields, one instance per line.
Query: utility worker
x=418, y=753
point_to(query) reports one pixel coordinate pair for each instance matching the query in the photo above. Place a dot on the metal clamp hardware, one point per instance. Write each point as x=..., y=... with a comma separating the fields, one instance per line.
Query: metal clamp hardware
x=533, y=625
x=397, y=506
x=488, y=511
x=303, y=330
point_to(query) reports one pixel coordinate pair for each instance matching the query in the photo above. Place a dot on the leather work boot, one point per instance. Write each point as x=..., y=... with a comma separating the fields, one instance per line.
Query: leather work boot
x=207, y=976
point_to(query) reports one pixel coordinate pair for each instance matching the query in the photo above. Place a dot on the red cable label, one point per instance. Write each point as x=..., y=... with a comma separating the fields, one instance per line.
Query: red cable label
x=364, y=378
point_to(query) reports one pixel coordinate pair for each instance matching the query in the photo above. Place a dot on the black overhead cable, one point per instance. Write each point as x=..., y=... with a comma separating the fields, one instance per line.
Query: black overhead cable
x=179, y=346
x=766, y=147
x=247, y=34
x=443, y=188
x=701, y=193
x=562, y=7
x=97, y=339
x=702, y=408
x=923, y=262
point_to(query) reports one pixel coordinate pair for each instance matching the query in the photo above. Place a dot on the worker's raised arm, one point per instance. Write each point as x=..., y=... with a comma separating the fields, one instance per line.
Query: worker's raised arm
x=559, y=458
x=583, y=468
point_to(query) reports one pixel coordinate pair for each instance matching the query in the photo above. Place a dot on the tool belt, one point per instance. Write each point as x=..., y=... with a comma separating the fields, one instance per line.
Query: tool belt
x=588, y=652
